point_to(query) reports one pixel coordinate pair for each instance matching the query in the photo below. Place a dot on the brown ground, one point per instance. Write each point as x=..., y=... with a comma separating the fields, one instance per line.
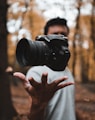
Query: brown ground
x=85, y=100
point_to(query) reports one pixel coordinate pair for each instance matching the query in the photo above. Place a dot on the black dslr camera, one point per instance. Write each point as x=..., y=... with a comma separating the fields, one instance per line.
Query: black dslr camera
x=50, y=50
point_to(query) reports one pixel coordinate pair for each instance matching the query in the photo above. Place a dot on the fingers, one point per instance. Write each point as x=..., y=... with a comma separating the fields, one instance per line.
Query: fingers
x=64, y=85
x=59, y=83
x=60, y=80
x=44, y=78
x=19, y=75
x=34, y=83
x=23, y=79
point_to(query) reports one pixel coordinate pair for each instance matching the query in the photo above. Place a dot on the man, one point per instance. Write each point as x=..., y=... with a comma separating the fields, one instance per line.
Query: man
x=50, y=100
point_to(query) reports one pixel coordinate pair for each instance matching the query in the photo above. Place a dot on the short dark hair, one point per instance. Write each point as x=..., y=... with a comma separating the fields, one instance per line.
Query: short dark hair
x=55, y=21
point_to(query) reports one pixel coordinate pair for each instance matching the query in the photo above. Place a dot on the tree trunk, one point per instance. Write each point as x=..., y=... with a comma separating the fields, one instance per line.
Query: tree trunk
x=77, y=48
x=7, y=110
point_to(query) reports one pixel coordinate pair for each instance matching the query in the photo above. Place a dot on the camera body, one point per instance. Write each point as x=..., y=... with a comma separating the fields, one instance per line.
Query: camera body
x=49, y=50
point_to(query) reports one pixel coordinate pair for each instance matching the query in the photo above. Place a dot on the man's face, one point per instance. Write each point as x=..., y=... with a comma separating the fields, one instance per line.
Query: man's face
x=58, y=29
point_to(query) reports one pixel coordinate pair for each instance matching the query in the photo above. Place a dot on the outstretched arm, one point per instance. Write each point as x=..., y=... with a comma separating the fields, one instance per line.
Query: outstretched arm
x=40, y=93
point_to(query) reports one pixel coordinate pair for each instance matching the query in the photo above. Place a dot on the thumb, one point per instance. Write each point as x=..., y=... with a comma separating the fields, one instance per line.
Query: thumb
x=23, y=79
x=19, y=75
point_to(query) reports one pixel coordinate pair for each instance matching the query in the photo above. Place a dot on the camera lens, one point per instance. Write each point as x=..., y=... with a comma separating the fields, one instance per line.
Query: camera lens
x=29, y=53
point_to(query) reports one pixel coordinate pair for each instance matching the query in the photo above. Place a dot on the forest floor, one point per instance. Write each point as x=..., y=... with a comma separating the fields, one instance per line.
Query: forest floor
x=84, y=100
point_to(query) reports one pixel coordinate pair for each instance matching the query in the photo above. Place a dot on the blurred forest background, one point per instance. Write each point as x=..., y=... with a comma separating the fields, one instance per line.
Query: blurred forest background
x=26, y=18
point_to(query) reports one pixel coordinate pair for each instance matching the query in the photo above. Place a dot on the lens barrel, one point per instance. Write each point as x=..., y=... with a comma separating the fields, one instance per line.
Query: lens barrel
x=30, y=53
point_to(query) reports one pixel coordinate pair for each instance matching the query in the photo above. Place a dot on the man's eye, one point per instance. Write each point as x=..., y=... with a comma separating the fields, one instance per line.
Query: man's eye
x=56, y=33
x=61, y=33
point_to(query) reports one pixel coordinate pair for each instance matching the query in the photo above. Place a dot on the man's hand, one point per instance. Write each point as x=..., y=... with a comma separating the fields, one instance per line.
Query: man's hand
x=42, y=92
